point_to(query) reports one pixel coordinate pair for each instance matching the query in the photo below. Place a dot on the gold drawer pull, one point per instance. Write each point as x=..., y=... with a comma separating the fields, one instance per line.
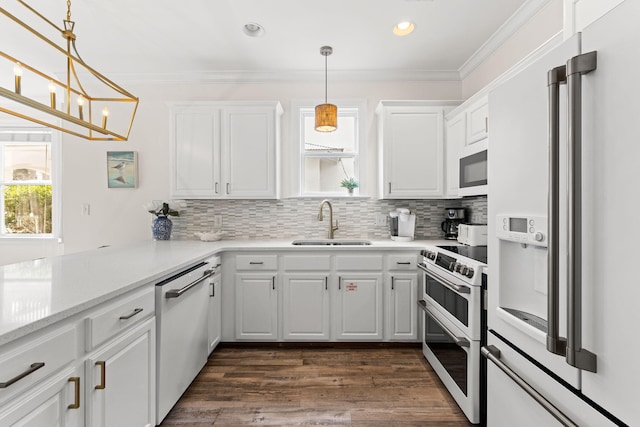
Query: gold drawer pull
x=76, y=403
x=103, y=375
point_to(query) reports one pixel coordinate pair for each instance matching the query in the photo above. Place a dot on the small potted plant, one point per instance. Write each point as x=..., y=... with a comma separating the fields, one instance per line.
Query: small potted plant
x=162, y=225
x=349, y=184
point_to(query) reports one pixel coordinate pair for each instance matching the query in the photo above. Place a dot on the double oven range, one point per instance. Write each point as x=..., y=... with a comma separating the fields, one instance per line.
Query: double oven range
x=454, y=320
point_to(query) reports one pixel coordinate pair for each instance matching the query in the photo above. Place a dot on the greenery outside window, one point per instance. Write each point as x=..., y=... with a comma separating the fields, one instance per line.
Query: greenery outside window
x=329, y=158
x=26, y=184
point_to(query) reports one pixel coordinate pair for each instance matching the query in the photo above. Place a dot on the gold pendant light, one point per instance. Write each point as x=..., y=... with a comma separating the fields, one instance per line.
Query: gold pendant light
x=88, y=118
x=326, y=114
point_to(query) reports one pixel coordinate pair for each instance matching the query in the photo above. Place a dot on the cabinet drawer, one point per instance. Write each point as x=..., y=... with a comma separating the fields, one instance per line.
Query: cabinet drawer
x=402, y=262
x=307, y=262
x=118, y=316
x=359, y=262
x=20, y=368
x=256, y=262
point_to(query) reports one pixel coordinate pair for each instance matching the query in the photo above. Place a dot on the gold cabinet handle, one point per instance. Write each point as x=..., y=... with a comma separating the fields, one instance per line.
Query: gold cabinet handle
x=76, y=403
x=103, y=375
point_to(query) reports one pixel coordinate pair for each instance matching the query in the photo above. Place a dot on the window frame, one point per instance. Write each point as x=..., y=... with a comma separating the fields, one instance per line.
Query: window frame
x=300, y=110
x=55, y=175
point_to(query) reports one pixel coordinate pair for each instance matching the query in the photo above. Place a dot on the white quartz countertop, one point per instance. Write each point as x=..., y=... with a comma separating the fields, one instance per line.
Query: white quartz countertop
x=35, y=294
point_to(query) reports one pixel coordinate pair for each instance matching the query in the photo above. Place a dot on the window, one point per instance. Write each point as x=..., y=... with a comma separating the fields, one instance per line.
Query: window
x=26, y=184
x=328, y=158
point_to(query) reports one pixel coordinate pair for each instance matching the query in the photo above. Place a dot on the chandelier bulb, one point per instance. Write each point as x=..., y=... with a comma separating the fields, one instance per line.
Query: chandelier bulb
x=17, y=69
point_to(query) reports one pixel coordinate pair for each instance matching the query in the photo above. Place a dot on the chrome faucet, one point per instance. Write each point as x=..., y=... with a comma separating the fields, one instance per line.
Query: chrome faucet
x=332, y=228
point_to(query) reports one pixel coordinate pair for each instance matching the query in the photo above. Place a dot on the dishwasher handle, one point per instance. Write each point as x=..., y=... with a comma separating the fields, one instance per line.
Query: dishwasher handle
x=175, y=293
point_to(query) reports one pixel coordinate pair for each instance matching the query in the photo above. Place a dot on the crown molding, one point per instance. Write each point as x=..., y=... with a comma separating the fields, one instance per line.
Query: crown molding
x=284, y=76
x=506, y=30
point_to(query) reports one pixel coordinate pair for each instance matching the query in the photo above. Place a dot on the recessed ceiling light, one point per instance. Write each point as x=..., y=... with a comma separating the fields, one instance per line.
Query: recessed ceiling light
x=253, y=30
x=403, y=28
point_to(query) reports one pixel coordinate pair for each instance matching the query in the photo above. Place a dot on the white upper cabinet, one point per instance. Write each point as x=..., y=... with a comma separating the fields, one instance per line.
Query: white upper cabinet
x=477, y=121
x=411, y=149
x=455, y=141
x=225, y=150
x=195, y=152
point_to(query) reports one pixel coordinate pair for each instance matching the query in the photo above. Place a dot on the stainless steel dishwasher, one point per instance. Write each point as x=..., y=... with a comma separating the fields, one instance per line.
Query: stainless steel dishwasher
x=182, y=339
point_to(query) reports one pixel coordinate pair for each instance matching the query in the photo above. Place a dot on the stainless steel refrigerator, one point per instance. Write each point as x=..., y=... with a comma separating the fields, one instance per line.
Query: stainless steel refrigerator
x=564, y=202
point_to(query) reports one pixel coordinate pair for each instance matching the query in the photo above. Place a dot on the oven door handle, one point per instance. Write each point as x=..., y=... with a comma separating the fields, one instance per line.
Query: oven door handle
x=460, y=342
x=457, y=288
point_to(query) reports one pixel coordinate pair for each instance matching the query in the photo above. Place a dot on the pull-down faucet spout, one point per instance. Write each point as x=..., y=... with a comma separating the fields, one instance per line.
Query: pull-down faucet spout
x=332, y=228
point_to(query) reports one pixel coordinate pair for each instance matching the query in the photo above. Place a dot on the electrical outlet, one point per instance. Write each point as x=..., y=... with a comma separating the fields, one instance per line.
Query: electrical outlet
x=217, y=221
x=86, y=209
x=381, y=219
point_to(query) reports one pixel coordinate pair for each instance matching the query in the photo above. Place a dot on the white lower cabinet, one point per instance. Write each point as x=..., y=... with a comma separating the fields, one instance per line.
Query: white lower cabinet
x=402, y=312
x=305, y=313
x=120, y=386
x=358, y=314
x=256, y=306
x=214, y=326
x=54, y=402
x=96, y=368
x=358, y=295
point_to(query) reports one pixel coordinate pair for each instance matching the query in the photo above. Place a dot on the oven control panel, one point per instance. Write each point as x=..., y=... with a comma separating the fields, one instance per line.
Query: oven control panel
x=464, y=268
x=428, y=254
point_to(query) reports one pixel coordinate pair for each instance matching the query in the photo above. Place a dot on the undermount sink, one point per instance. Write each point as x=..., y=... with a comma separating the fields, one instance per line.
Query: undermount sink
x=331, y=242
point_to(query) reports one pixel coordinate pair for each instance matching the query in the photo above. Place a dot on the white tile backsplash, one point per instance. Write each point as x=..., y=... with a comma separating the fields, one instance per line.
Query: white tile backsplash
x=297, y=218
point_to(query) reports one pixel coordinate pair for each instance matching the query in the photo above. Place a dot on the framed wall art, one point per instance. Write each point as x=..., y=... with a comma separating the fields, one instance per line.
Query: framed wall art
x=122, y=169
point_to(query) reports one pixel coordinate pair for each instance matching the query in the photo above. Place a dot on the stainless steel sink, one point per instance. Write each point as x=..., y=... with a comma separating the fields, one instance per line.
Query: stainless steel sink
x=331, y=242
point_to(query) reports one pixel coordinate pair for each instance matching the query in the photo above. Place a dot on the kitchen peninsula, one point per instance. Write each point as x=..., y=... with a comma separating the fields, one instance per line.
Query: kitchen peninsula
x=81, y=309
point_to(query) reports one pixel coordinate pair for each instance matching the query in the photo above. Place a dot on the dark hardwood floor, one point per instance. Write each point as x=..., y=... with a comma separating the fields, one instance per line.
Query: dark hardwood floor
x=319, y=386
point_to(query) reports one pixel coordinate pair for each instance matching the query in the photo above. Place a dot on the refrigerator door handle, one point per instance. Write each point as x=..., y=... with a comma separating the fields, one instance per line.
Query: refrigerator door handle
x=492, y=353
x=576, y=355
x=555, y=344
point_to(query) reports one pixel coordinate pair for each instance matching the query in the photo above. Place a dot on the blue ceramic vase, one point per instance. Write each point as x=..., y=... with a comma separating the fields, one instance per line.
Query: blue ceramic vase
x=161, y=228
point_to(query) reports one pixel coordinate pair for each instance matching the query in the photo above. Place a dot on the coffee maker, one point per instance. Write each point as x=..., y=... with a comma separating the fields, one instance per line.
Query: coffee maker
x=454, y=217
x=402, y=224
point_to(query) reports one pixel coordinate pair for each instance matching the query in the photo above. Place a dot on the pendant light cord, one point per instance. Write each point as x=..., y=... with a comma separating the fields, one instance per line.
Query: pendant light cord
x=325, y=79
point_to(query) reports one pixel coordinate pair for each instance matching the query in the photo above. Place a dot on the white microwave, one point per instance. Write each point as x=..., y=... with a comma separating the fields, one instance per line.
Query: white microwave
x=473, y=173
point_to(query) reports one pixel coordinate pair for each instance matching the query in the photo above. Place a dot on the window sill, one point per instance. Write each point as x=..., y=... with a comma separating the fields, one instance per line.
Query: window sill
x=29, y=238
x=329, y=196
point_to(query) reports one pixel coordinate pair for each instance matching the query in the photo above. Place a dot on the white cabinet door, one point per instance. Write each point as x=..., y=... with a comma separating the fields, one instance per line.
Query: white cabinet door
x=305, y=309
x=402, y=307
x=215, y=312
x=358, y=314
x=256, y=306
x=249, y=151
x=195, y=152
x=478, y=121
x=55, y=402
x=121, y=380
x=225, y=150
x=412, y=152
x=456, y=136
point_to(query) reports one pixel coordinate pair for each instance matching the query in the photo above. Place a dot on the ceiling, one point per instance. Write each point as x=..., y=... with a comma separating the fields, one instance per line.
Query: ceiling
x=154, y=38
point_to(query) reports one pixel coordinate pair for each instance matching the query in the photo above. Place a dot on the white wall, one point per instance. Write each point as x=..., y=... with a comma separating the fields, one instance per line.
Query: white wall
x=538, y=30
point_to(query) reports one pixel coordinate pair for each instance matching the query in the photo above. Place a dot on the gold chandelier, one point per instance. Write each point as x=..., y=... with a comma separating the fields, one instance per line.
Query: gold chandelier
x=107, y=116
x=326, y=114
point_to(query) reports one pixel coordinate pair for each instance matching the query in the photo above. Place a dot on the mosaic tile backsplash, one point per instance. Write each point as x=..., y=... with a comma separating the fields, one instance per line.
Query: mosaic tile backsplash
x=297, y=218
